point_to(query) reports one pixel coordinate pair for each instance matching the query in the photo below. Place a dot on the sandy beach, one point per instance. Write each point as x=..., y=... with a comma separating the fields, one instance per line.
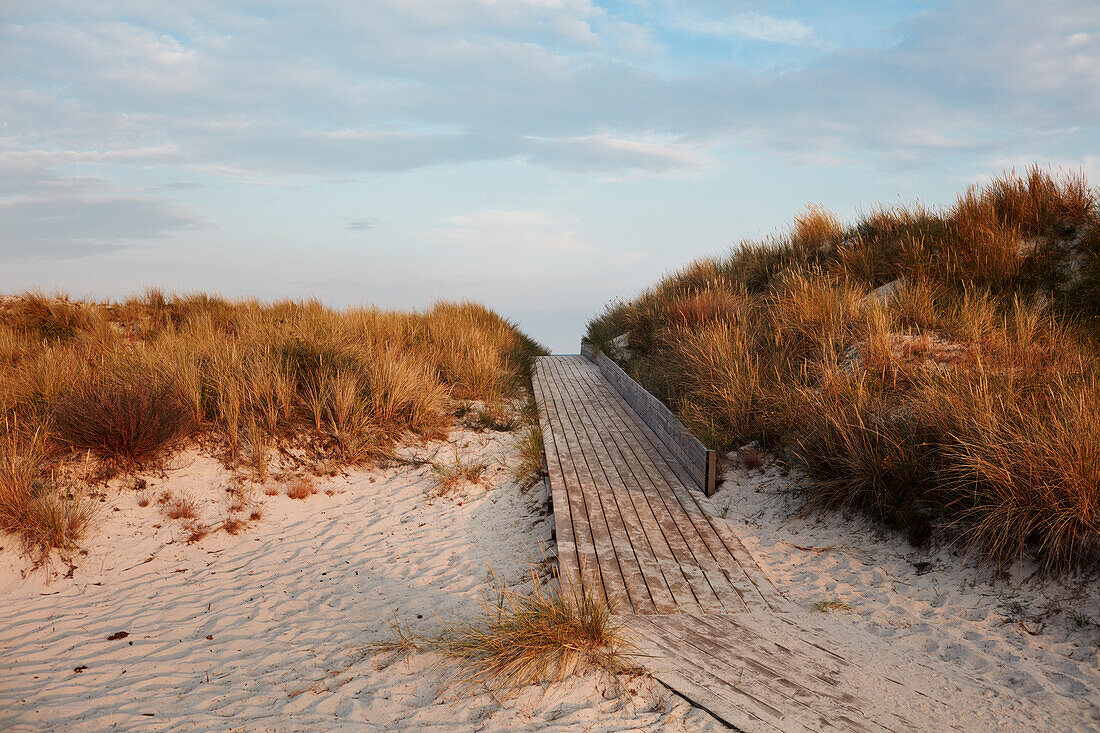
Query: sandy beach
x=265, y=630
x=1005, y=651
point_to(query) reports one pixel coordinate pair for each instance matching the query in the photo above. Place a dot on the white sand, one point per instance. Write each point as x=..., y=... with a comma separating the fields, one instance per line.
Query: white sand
x=289, y=603
x=1010, y=653
x=264, y=630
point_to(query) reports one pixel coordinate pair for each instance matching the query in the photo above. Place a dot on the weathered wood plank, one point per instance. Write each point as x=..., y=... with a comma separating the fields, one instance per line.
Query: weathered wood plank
x=688, y=584
x=587, y=566
x=652, y=552
x=744, y=671
x=635, y=485
x=713, y=591
x=774, y=673
x=626, y=554
x=568, y=560
x=583, y=492
x=744, y=572
x=685, y=674
x=705, y=552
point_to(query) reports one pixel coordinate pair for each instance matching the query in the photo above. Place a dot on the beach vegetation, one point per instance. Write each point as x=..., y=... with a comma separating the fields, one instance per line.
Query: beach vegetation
x=936, y=369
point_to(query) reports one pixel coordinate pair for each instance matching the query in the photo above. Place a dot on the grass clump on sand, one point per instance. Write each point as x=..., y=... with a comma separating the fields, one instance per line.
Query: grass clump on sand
x=131, y=382
x=519, y=639
x=450, y=476
x=528, y=471
x=932, y=368
x=34, y=505
x=831, y=605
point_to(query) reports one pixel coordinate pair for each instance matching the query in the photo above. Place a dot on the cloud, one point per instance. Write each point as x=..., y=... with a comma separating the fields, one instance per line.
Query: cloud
x=391, y=85
x=531, y=232
x=362, y=225
x=44, y=216
x=610, y=154
x=752, y=25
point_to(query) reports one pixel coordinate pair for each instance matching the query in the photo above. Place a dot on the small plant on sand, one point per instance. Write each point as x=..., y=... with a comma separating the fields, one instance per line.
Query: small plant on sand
x=528, y=470
x=33, y=504
x=301, y=488
x=196, y=531
x=402, y=642
x=236, y=500
x=524, y=638
x=831, y=605
x=233, y=524
x=181, y=507
x=449, y=476
x=520, y=638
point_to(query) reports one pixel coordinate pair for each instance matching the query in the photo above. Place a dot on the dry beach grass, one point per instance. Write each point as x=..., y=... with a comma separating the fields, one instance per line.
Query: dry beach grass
x=933, y=368
x=128, y=384
x=521, y=637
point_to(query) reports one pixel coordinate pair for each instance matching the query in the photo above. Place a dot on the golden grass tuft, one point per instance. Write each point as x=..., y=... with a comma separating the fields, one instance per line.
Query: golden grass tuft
x=181, y=507
x=528, y=470
x=525, y=638
x=451, y=476
x=122, y=414
x=34, y=505
x=519, y=639
x=233, y=525
x=301, y=488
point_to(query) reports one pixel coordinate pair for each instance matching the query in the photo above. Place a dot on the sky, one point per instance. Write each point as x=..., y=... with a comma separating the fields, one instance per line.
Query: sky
x=540, y=156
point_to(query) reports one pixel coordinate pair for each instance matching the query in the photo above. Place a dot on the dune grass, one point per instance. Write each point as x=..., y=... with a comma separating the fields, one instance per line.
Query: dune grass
x=522, y=638
x=528, y=471
x=460, y=471
x=932, y=368
x=131, y=382
x=35, y=505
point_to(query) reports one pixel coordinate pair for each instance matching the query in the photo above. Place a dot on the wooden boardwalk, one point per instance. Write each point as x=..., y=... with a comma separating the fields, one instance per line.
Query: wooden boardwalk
x=632, y=529
x=628, y=526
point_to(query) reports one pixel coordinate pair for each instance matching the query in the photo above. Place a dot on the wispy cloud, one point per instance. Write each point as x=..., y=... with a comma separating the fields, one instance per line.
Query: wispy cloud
x=362, y=225
x=536, y=232
x=391, y=86
x=47, y=217
x=751, y=25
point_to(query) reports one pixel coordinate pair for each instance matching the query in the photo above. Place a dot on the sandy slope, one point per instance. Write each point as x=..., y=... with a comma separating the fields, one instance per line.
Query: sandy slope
x=1009, y=653
x=263, y=630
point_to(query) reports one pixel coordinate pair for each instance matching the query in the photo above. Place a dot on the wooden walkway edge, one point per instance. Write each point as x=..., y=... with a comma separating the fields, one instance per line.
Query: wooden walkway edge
x=632, y=529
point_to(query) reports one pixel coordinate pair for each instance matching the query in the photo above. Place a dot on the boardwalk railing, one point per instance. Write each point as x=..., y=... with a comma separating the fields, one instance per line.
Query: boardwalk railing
x=698, y=461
